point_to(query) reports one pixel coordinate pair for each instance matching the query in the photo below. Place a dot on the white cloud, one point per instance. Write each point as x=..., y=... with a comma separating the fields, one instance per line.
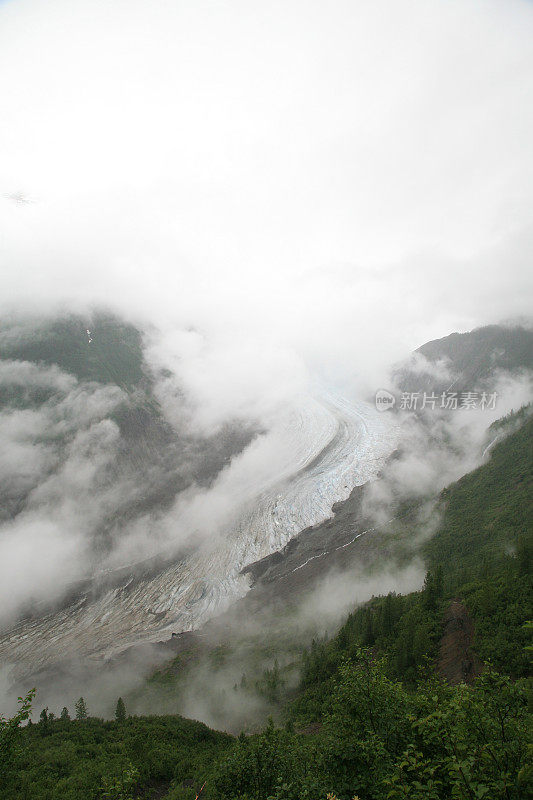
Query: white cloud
x=26, y=374
x=38, y=559
x=443, y=448
x=52, y=470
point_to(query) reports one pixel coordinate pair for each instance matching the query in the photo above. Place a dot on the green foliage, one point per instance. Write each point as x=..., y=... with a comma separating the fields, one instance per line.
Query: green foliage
x=118, y=787
x=383, y=741
x=500, y=604
x=484, y=546
x=487, y=513
x=366, y=725
x=472, y=739
x=270, y=685
x=104, y=760
x=404, y=628
x=273, y=764
x=10, y=733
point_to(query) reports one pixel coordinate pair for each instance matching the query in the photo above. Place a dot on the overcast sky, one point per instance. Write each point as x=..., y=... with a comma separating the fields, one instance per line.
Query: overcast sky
x=324, y=183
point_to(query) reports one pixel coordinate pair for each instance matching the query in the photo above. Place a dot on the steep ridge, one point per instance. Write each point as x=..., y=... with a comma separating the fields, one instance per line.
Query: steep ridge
x=465, y=362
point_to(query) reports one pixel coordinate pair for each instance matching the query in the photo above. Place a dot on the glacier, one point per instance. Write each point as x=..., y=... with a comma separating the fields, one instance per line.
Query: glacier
x=318, y=448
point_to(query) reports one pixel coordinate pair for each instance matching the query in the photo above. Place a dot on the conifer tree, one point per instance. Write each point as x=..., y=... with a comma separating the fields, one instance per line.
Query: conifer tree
x=120, y=710
x=81, y=710
x=387, y=615
x=44, y=724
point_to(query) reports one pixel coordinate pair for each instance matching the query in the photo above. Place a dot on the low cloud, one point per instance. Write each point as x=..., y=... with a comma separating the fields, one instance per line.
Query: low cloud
x=436, y=447
x=339, y=592
x=30, y=376
x=53, y=458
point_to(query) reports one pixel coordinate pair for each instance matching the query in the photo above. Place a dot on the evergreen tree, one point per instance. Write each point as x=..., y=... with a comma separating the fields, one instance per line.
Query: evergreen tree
x=44, y=723
x=385, y=626
x=433, y=588
x=524, y=556
x=81, y=710
x=120, y=710
x=65, y=716
x=369, y=637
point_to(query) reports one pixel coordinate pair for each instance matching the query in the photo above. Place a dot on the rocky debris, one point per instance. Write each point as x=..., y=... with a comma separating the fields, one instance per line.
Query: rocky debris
x=458, y=662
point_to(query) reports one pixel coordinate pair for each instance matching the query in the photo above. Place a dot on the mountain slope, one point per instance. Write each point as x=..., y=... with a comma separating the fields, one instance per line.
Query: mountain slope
x=87, y=452
x=99, y=347
x=469, y=361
